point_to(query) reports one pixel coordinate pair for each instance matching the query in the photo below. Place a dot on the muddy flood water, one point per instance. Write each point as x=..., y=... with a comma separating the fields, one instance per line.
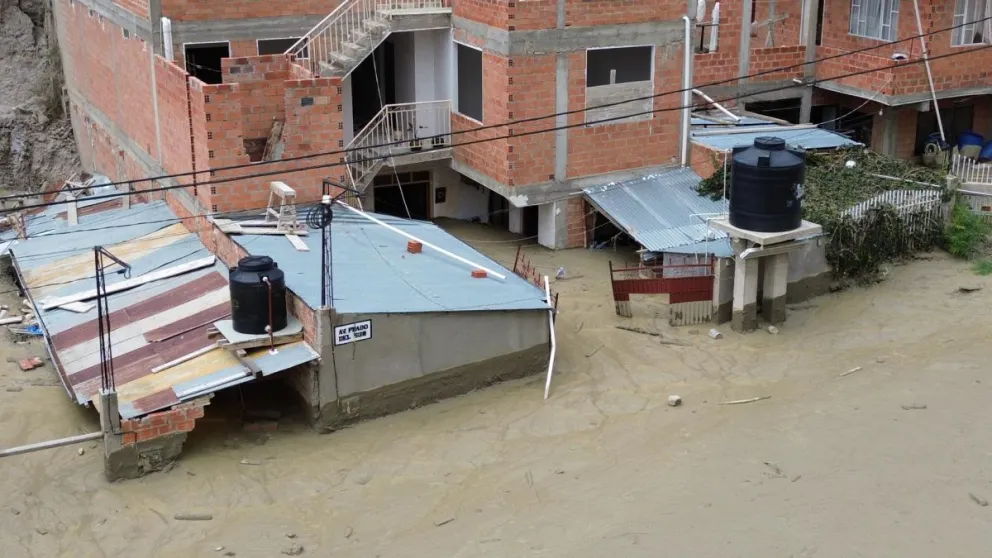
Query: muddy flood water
x=894, y=459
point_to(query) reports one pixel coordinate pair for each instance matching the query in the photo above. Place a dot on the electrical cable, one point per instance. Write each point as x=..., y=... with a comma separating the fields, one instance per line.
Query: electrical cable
x=490, y=139
x=564, y=113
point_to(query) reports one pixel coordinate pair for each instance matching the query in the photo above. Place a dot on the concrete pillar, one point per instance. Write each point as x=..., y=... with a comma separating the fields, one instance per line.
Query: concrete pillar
x=548, y=234
x=774, y=289
x=516, y=220
x=745, y=305
x=723, y=289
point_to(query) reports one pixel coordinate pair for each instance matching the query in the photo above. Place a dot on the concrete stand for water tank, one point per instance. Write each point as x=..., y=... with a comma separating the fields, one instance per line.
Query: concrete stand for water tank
x=754, y=250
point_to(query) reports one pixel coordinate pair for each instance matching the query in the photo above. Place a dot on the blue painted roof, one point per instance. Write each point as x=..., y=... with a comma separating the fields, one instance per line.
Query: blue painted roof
x=373, y=273
x=805, y=138
x=663, y=212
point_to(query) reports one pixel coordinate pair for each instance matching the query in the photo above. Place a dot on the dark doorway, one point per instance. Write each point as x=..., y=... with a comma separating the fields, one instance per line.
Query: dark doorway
x=370, y=92
x=277, y=46
x=530, y=218
x=416, y=189
x=203, y=61
x=499, y=211
x=786, y=109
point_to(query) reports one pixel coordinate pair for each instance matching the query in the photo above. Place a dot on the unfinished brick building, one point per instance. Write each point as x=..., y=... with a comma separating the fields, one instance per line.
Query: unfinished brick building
x=890, y=109
x=181, y=86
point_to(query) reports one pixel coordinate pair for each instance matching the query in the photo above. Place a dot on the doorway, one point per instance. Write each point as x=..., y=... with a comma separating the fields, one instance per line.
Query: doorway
x=203, y=60
x=390, y=191
x=370, y=90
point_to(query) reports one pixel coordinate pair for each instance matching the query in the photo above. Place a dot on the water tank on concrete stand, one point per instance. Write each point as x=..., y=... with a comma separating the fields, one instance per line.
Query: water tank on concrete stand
x=766, y=188
x=251, y=295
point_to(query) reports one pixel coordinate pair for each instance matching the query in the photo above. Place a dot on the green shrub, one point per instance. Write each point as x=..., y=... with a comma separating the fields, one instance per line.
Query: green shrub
x=966, y=232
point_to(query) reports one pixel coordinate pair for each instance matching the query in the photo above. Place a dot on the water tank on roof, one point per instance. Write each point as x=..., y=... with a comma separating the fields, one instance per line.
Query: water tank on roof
x=251, y=295
x=766, y=187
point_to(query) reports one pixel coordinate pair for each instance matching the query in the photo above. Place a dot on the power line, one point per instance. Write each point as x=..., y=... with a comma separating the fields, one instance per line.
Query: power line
x=544, y=117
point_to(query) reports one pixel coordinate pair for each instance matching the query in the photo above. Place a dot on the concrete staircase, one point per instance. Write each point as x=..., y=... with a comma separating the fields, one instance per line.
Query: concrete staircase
x=339, y=43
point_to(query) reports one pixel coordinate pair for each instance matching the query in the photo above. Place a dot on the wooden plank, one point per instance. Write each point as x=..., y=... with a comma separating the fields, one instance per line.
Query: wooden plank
x=134, y=282
x=260, y=230
x=297, y=243
x=281, y=189
x=255, y=343
x=12, y=320
x=184, y=358
x=275, y=136
x=78, y=307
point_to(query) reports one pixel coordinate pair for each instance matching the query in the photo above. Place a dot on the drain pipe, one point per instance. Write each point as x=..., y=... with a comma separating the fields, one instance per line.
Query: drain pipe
x=686, y=91
x=926, y=63
x=167, y=39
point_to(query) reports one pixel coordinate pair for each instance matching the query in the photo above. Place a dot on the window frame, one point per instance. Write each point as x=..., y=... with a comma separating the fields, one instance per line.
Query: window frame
x=457, y=75
x=958, y=18
x=858, y=22
x=651, y=63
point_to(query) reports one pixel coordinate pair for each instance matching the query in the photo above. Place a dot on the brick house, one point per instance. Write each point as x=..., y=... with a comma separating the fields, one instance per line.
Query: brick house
x=891, y=109
x=192, y=86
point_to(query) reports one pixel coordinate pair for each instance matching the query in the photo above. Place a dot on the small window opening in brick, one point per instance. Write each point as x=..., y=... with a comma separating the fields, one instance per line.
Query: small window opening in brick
x=203, y=61
x=608, y=66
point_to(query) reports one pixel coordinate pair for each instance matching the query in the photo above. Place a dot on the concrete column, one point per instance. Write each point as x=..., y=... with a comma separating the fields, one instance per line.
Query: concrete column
x=745, y=306
x=774, y=289
x=809, y=71
x=516, y=220
x=547, y=225
x=723, y=290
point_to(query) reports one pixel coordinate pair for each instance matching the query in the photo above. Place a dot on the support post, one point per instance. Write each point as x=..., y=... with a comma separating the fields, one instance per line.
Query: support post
x=745, y=305
x=774, y=288
x=744, y=56
x=723, y=289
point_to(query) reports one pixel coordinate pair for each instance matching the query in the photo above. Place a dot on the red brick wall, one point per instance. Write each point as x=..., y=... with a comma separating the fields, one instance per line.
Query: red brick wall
x=136, y=7
x=182, y=418
x=198, y=10
x=608, y=147
x=703, y=160
x=261, y=80
x=532, y=94
x=967, y=70
x=575, y=222
x=307, y=316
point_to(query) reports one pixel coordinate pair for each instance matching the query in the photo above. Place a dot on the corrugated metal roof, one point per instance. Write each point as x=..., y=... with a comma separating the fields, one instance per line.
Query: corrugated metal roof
x=152, y=324
x=662, y=211
x=805, y=138
x=373, y=273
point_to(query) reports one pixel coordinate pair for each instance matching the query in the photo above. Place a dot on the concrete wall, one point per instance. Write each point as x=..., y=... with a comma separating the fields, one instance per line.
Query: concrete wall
x=417, y=358
x=809, y=273
x=462, y=201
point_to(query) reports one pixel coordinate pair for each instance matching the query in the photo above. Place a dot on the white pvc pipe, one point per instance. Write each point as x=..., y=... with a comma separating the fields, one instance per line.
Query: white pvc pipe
x=926, y=64
x=686, y=90
x=167, y=39
x=426, y=244
x=720, y=107
x=51, y=444
x=551, y=326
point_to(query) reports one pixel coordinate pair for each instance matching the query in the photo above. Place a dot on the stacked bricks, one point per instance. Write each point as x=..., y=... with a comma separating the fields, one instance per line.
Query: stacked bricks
x=576, y=210
x=180, y=419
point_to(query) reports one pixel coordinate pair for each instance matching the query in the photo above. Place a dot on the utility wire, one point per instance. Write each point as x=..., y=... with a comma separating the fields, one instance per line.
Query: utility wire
x=554, y=115
x=482, y=140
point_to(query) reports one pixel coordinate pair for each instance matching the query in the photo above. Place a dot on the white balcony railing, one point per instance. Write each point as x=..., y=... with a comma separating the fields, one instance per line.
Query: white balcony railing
x=970, y=171
x=399, y=129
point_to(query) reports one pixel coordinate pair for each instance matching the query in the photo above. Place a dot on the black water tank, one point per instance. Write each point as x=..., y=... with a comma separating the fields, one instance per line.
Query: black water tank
x=766, y=186
x=250, y=295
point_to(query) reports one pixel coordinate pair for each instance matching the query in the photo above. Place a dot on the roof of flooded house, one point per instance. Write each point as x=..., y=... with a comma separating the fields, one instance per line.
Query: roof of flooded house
x=373, y=272
x=730, y=135
x=663, y=212
x=152, y=324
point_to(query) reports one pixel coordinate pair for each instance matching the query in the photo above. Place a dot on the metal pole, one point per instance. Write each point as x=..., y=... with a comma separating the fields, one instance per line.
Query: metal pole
x=809, y=70
x=51, y=444
x=926, y=63
x=551, y=326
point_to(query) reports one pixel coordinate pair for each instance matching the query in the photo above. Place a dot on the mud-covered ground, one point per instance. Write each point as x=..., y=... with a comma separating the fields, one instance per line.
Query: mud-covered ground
x=832, y=465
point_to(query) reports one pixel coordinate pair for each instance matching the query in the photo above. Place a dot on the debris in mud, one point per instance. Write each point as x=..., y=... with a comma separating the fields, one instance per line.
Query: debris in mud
x=880, y=360
x=294, y=550
x=715, y=334
x=797, y=477
x=773, y=330
x=219, y=549
x=41, y=531
x=193, y=517
x=674, y=400
x=230, y=553
x=81, y=451
x=290, y=535
x=851, y=371
x=444, y=521
x=775, y=469
x=349, y=532
x=250, y=462
x=914, y=407
x=15, y=511
x=529, y=477
x=30, y=363
x=978, y=499
x=15, y=389
x=595, y=351
x=742, y=401
x=969, y=289
x=559, y=471
x=633, y=329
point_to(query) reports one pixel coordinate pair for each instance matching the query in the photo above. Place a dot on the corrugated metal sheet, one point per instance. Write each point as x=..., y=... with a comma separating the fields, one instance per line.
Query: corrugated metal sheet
x=806, y=138
x=662, y=211
x=152, y=324
x=373, y=273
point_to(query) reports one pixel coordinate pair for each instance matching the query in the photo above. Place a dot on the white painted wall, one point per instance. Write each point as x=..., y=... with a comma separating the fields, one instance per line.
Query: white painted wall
x=443, y=64
x=516, y=220
x=347, y=110
x=462, y=201
x=547, y=233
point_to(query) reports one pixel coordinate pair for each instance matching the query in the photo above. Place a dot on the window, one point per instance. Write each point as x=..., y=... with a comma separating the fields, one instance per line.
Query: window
x=875, y=19
x=469, y=67
x=276, y=46
x=203, y=60
x=969, y=27
x=606, y=66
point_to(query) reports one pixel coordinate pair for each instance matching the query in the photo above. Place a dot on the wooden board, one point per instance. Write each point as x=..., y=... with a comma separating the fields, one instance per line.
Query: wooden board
x=134, y=281
x=297, y=243
x=256, y=343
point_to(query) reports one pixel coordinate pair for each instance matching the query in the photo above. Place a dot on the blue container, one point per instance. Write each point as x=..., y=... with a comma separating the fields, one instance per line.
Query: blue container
x=986, y=152
x=970, y=138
